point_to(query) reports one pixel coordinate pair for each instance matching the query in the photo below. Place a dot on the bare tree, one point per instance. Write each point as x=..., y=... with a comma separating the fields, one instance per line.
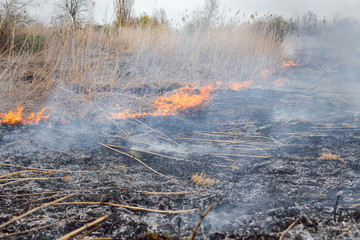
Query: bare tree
x=73, y=11
x=123, y=11
x=209, y=15
x=13, y=13
x=161, y=16
x=211, y=12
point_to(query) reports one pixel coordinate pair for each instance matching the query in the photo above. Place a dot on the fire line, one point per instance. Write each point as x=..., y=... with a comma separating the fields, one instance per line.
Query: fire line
x=182, y=100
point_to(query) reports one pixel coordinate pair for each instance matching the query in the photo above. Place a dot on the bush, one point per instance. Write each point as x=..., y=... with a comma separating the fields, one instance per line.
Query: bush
x=29, y=43
x=275, y=26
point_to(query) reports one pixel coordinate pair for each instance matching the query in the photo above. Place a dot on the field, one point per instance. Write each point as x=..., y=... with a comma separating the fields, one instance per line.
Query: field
x=133, y=133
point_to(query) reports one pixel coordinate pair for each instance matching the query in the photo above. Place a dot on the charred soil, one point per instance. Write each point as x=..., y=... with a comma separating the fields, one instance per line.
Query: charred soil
x=138, y=172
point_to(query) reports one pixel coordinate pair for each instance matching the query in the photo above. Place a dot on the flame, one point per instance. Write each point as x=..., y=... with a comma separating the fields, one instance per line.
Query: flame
x=280, y=82
x=17, y=117
x=182, y=100
x=239, y=86
x=289, y=64
x=265, y=73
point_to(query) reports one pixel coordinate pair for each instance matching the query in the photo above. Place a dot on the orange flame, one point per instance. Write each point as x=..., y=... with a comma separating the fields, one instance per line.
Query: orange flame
x=280, y=82
x=265, y=73
x=17, y=117
x=289, y=64
x=183, y=100
x=178, y=101
x=239, y=86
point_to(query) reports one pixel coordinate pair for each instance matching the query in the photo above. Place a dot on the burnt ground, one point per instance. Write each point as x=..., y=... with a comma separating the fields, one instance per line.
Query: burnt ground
x=262, y=146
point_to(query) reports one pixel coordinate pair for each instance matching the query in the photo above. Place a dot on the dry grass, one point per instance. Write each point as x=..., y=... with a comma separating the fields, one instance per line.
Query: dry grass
x=87, y=72
x=202, y=179
x=329, y=156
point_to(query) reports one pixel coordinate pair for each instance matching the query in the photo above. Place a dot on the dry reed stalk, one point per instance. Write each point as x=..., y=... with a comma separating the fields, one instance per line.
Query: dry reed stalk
x=246, y=143
x=240, y=155
x=79, y=230
x=15, y=180
x=223, y=166
x=10, y=144
x=14, y=219
x=29, y=171
x=98, y=238
x=44, y=226
x=43, y=169
x=137, y=150
x=170, y=193
x=88, y=232
x=201, y=219
x=162, y=135
x=141, y=162
x=122, y=166
x=127, y=207
x=286, y=230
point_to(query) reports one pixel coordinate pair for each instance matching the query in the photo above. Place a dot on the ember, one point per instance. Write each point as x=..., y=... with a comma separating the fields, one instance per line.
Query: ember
x=289, y=64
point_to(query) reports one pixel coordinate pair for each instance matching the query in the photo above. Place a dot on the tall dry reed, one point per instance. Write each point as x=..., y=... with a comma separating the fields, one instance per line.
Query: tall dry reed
x=87, y=70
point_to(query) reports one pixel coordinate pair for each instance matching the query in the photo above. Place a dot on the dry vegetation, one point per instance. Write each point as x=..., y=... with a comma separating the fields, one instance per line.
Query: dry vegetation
x=88, y=70
x=330, y=156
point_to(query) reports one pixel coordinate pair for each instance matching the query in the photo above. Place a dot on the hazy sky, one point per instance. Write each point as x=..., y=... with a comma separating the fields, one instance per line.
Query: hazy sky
x=104, y=8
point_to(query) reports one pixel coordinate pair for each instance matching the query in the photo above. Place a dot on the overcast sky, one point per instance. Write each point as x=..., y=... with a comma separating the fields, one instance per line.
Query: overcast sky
x=288, y=8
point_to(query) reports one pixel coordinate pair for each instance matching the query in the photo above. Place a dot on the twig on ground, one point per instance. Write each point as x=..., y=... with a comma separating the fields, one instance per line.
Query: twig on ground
x=286, y=230
x=14, y=219
x=169, y=193
x=79, y=230
x=10, y=144
x=157, y=131
x=201, y=219
x=335, y=207
x=137, y=150
x=29, y=171
x=45, y=226
x=50, y=170
x=126, y=206
x=88, y=232
x=15, y=180
x=126, y=154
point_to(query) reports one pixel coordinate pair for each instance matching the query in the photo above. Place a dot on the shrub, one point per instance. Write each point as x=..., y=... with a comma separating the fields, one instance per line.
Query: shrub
x=275, y=26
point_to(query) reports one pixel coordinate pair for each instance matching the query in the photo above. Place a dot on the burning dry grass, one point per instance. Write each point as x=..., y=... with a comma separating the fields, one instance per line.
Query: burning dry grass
x=87, y=72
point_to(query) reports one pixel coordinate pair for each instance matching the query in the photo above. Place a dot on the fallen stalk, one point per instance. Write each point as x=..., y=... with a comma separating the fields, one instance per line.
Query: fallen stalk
x=201, y=219
x=34, y=210
x=286, y=230
x=27, y=179
x=40, y=169
x=15, y=180
x=169, y=193
x=126, y=206
x=79, y=230
x=28, y=171
x=88, y=232
x=137, y=150
x=126, y=154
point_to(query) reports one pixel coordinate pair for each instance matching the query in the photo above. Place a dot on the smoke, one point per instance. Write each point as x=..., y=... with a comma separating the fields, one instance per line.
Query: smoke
x=326, y=81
